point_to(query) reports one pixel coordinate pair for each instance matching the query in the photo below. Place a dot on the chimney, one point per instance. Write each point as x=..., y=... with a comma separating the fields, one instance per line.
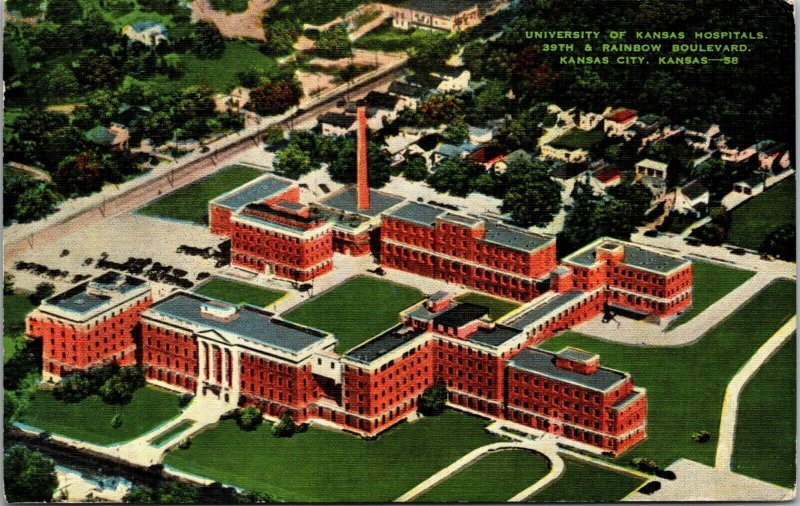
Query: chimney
x=362, y=188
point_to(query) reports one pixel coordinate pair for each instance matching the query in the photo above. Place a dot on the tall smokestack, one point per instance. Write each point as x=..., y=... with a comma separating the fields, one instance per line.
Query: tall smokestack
x=362, y=187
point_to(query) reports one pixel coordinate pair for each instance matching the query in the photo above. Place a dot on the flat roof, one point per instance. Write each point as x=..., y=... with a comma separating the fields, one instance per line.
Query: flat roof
x=415, y=212
x=345, y=200
x=439, y=7
x=79, y=300
x=383, y=344
x=633, y=256
x=577, y=355
x=495, y=336
x=256, y=190
x=460, y=314
x=458, y=219
x=514, y=237
x=536, y=313
x=249, y=323
x=647, y=163
x=543, y=363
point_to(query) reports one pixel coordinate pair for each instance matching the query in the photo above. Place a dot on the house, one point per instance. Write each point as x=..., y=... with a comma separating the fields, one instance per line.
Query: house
x=115, y=136
x=410, y=94
x=454, y=79
x=518, y=156
x=753, y=185
x=564, y=172
x=734, y=153
x=488, y=155
x=375, y=115
x=589, y=120
x=607, y=176
x=619, y=120
x=656, y=185
x=148, y=33
x=771, y=153
x=446, y=151
x=691, y=197
x=130, y=115
x=444, y=15
x=335, y=124
x=426, y=147
x=651, y=168
x=649, y=129
x=700, y=134
x=397, y=145
x=573, y=146
x=479, y=135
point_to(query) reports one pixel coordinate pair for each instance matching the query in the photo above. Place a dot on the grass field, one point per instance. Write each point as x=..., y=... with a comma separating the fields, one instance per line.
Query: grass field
x=686, y=385
x=239, y=293
x=15, y=308
x=387, y=38
x=759, y=216
x=497, y=477
x=356, y=310
x=582, y=482
x=766, y=423
x=190, y=203
x=711, y=283
x=327, y=466
x=497, y=307
x=11, y=345
x=577, y=138
x=220, y=74
x=90, y=419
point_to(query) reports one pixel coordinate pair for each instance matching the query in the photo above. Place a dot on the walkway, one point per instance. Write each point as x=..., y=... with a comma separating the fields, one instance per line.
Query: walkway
x=545, y=446
x=640, y=333
x=730, y=406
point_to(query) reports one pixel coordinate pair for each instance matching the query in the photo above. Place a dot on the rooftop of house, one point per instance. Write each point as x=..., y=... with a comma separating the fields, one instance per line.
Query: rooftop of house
x=337, y=119
x=694, y=190
x=453, y=151
x=247, y=322
x=564, y=171
x=95, y=295
x=451, y=72
x=383, y=101
x=543, y=363
x=633, y=255
x=345, y=201
x=622, y=115
x=607, y=174
x=429, y=142
x=652, y=119
x=513, y=237
x=417, y=213
x=382, y=344
x=143, y=26
x=407, y=90
x=439, y=7
x=532, y=316
x=257, y=190
x=520, y=155
x=651, y=164
x=488, y=153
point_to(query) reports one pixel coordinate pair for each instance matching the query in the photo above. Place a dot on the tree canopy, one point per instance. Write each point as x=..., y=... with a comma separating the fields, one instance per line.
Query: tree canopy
x=28, y=475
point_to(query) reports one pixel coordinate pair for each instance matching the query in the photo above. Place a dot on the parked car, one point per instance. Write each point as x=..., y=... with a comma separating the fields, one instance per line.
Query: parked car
x=738, y=251
x=693, y=241
x=651, y=233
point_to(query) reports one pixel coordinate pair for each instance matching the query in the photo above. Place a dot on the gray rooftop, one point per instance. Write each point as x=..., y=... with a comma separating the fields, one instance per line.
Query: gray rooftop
x=543, y=363
x=514, y=237
x=421, y=214
x=254, y=191
x=634, y=256
x=439, y=7
x=383, y=344
x=535, y=314
x=249, y=323
x=494, y=337
x=576, y=354
x=81, y=300
x=458, y=219
x=345, y=200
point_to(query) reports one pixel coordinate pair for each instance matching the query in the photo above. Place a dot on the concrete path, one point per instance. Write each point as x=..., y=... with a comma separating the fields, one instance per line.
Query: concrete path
x=546, y=447
x=640, y=333
x=730, y=406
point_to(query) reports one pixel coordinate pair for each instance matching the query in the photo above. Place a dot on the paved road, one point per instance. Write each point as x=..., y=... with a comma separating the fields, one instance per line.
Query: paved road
x=730, y=406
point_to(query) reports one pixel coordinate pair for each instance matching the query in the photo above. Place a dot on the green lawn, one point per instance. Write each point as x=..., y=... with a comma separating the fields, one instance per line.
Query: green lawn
x=239, y=293
x=326, y=466
x=583, y=482
x=221, y=73
x=387, y=38
x=577, y=138
x=764, y=447
x=15, y=308
x=759, y=216
x=90, y=419
x=497, y=477
x=686, y=385
x=497, y=307
x=711, y=283
x=190, y=203
x=356, y=310
x=11, y=345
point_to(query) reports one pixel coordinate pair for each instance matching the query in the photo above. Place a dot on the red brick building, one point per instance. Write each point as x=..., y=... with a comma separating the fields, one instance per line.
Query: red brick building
x=263, y=190
x=90, y=324
x=480, y=253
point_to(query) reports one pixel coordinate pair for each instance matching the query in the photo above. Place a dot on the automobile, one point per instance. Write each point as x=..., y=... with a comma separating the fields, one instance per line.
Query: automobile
x=738, y=251
x=651, y=233
x=693, y=241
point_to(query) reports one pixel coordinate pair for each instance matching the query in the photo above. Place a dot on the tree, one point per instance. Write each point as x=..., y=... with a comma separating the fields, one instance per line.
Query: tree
x=275, y=97
x=60, y=82
x=206, y=40
x=61, y=143
x=43, y=291
x=80, y=174
x=433, y=400
x=176, y=492
x=533, y=198
x=29, y=476
x=440, y=109
x=98, y=71
x=456, y=132
x=8, y=283
x=63, y=11
x=285, y=426
x=490, y=102
x=415, y=168
x=430, y=51
x=274, y=136
x=36, y=203
x=140, y=495
x=249, y=418
x=334, y=42
x=248, y=497
x=780, y=243
x=280, y=36
x=702, y=436
x=455, y=176
x=292, y=162
x=343, y=168
x=74, y=388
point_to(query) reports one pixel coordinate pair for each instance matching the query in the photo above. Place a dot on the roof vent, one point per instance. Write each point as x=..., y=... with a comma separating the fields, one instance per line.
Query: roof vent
x=217, y=311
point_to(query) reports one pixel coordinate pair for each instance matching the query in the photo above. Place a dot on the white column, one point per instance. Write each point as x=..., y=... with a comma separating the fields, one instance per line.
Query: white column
x=236, y=377
x=223, y=356
x=201, y=361
x=212, y=364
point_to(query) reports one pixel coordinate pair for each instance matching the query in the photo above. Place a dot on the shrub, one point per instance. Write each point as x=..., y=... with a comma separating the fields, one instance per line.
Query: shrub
x=702, y=436
x=116, y=422
x=433, y=400
x=185, y=444
x=645, y=464
x=285, y=426
x=74, y=388
x=185, y=399
x=249, y=418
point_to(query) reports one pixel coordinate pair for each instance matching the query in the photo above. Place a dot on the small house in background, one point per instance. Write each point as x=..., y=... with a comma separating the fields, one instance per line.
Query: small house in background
x=115, y=136
x=619, y=120
x=454, y=79
x=443, y=15
x=656, y=185
x=518, y=156
x=410, y=94
x=446, y=151
x=148, y=33
x=772, y=156
x=700, y=134
x=397, y=145
x=488, y=155
x=691, y=197
x=753, y=185
x=651, y=168
x=607, y=176
x=426, y=147
x=480, y=135
x=335, y=124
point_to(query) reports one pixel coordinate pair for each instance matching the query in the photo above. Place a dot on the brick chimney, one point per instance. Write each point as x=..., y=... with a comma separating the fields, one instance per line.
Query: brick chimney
x=362, y=188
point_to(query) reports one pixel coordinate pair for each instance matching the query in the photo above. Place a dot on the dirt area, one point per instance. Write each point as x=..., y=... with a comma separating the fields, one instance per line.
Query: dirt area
x=244, y=24
x=314, y=83
x=360, y=57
